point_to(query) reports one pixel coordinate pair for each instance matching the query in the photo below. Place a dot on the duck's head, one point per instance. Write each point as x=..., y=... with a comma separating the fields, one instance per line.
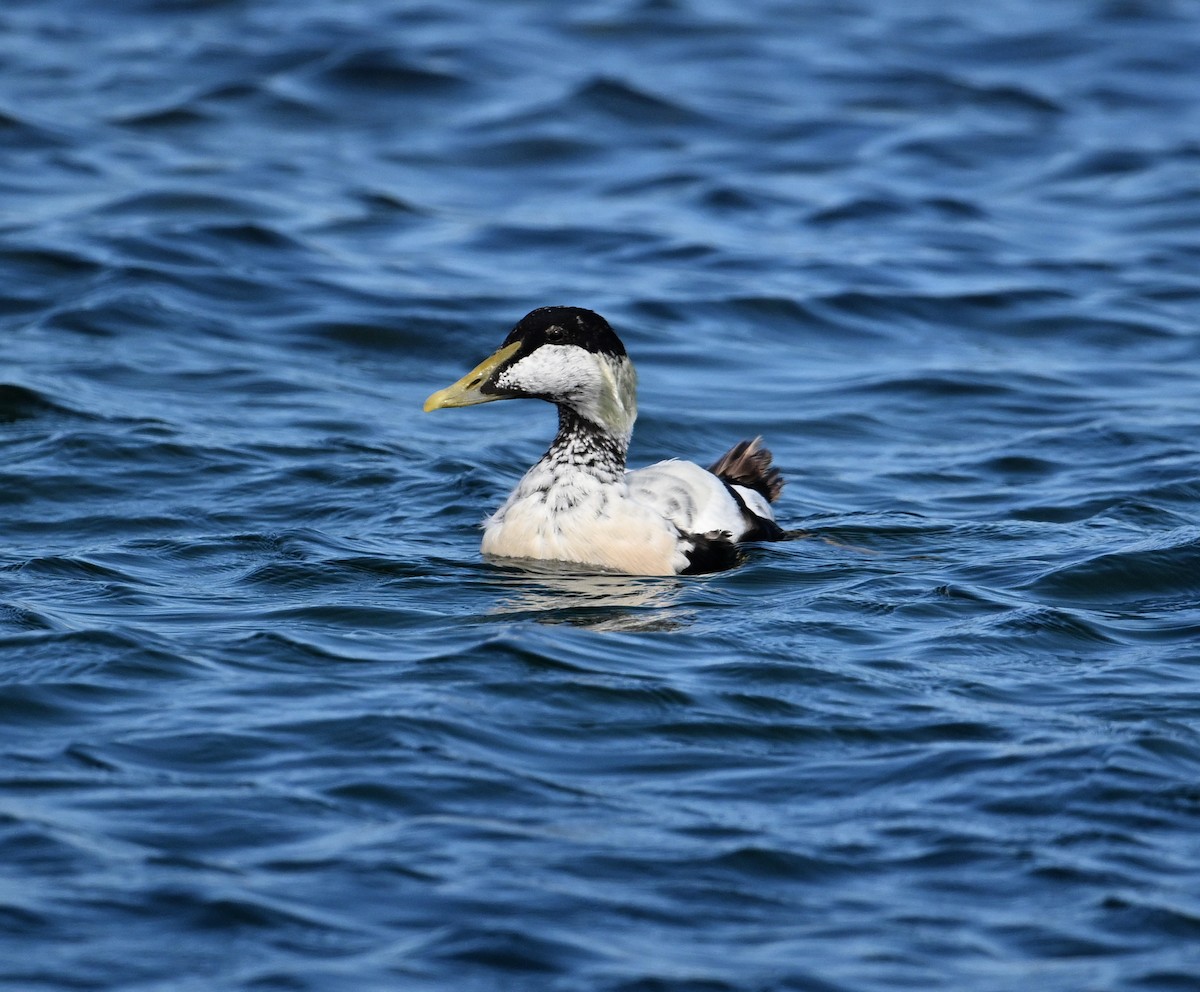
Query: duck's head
x=566, y=355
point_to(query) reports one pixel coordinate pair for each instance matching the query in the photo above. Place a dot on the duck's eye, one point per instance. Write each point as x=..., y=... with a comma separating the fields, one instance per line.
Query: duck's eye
x=554, y=333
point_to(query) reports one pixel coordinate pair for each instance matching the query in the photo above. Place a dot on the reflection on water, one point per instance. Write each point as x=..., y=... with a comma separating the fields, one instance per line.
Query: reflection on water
x=559, y=592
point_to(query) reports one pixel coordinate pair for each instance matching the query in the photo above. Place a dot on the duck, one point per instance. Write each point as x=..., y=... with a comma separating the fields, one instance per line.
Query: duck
x=579, y=503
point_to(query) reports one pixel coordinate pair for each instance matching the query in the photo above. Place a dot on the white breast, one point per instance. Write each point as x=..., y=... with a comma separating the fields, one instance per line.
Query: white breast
x=583, y=520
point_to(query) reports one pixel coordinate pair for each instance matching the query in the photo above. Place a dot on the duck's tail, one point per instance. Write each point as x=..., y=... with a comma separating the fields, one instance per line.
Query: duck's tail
x=748, y=464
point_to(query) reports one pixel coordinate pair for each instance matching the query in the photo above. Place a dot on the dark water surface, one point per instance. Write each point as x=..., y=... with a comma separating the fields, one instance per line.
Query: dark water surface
x=267, y=720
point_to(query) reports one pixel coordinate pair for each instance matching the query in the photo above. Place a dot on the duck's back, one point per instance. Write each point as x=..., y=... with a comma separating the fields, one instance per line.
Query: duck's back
x=732, y=496
x=692, y=498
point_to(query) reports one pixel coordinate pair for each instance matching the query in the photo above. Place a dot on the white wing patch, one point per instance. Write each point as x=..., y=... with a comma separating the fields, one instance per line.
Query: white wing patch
x=756, y=502
x=692, y=498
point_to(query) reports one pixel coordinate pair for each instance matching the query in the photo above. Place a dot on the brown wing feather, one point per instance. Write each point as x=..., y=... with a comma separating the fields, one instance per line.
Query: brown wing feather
x=748, y=464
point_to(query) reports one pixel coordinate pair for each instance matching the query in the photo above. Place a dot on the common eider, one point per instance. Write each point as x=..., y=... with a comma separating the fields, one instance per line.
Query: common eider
x=579, y=503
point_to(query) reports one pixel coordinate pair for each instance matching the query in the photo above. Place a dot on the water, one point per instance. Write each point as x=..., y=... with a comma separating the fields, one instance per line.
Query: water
x=268, y=722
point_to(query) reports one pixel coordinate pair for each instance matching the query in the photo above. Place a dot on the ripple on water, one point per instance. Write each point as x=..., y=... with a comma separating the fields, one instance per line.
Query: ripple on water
x=20, y=403
x=265, y=703
x=1158, y=575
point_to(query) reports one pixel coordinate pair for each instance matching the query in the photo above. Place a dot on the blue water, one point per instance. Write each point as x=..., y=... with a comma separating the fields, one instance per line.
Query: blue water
x=268, y=721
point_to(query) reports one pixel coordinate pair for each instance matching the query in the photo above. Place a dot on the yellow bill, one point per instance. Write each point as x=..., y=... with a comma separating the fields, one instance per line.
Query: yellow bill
x=466, y=392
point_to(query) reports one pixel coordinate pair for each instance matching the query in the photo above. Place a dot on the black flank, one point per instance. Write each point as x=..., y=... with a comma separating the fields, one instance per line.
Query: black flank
x=711, y=552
